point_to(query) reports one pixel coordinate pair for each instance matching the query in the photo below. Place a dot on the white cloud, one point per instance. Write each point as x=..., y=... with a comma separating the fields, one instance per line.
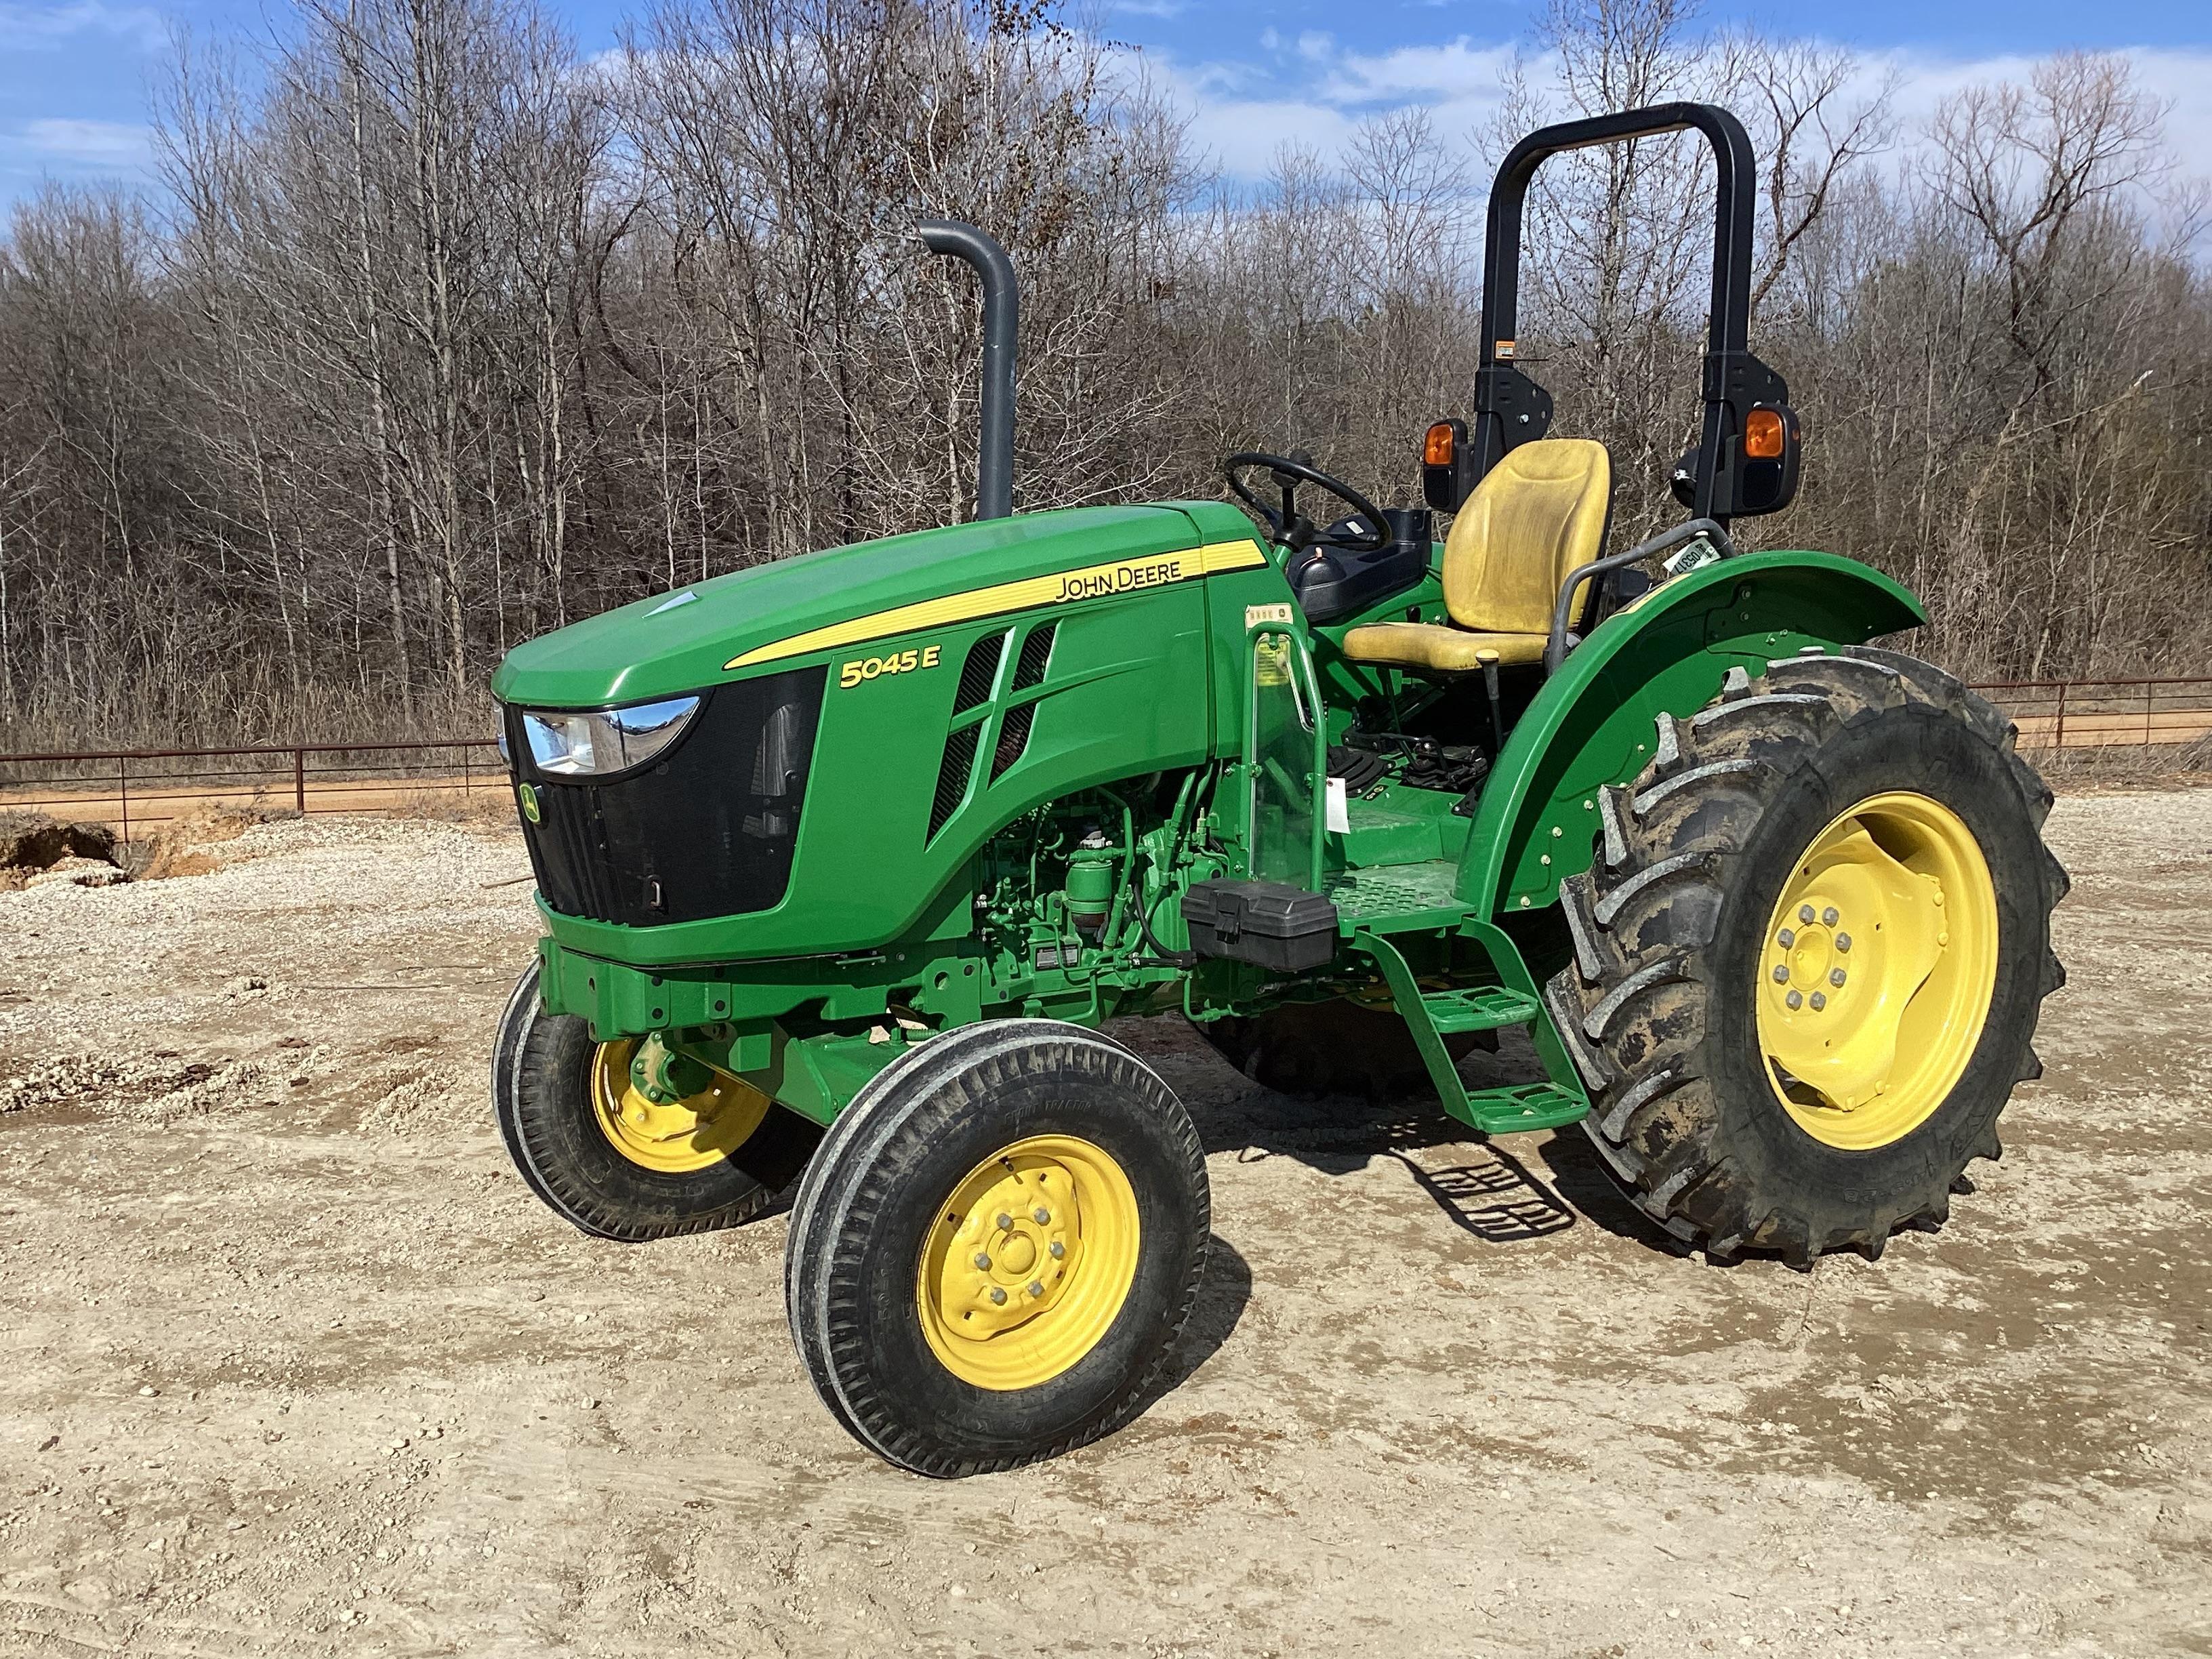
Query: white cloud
x=1241, y=116
x=1243, y=135
x=35, y=29
x=111, y=146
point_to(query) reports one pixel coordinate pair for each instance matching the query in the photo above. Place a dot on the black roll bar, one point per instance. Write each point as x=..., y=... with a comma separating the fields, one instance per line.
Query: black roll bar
x=1510, y=409
x=994, y=459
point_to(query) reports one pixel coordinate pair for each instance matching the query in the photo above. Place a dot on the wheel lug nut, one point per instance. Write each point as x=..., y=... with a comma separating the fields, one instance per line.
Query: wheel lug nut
x=1843, y=941
x=1058, y=1249
x=1819, y=1001
x=1794, y=999
x=1041, y=1214
x=1804, y=913
x=1006, y=1222
x=983, y=1259
x=1828, y=917
x=998, y=1297
x=1835, y=976
x=1781, y=975
x=1785, y=938
x=1037, y=1287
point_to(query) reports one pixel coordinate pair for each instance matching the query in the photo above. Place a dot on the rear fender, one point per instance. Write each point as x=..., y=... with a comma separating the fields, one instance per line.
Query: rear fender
x=1592, y=723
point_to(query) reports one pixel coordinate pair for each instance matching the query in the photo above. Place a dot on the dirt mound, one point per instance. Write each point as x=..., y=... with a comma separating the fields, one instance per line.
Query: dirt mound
x=34, y=841
x=177, y=848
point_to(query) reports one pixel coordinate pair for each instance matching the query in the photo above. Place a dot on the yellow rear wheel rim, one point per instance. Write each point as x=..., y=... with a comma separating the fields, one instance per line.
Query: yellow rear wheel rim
x=1029, y=1263
x=1877, y=971
x=674, y=1137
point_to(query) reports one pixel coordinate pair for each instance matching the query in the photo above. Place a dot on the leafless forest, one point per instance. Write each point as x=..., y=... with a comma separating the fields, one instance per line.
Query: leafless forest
x=437, y=334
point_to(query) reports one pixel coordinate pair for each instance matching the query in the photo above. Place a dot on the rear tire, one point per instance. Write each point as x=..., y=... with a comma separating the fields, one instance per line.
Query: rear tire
x=543, y=1099
x=1673, y=1006
x=982, y=1149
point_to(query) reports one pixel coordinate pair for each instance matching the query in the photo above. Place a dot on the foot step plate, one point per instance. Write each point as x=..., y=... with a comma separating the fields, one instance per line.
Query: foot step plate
x=1525, y=1106
x=1482, y=1008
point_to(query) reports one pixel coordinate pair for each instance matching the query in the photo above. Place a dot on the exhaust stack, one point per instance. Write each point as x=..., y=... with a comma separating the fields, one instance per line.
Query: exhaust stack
x=994, y=464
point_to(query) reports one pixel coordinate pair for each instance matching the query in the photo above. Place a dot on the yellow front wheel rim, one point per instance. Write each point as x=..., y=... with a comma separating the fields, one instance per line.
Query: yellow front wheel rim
x=1029, y=1263
x=1877, y=971
x=675, y=1137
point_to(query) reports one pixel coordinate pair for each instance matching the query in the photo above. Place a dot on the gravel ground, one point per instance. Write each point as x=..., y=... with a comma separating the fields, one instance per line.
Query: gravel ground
x=291, y=1363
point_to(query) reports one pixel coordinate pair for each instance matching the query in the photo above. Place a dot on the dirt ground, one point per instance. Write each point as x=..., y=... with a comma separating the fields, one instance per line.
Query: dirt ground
x=291, y=1361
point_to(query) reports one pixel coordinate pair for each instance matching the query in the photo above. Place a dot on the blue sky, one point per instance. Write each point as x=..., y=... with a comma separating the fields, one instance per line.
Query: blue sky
x=74, y=74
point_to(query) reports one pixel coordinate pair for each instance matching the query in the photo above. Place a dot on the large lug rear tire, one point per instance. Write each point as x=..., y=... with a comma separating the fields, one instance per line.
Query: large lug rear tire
x=1309, y=1050
x=1810, y=955
x=619, y=1166
x=992, y=1254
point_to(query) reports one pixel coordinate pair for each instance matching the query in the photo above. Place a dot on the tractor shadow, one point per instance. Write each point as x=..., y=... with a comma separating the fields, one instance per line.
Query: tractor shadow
x=1223, y=1294
x=1484, y=1187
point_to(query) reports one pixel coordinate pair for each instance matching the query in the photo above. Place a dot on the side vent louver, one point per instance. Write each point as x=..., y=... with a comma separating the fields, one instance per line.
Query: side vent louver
x=952, y=776
x=1013, y=737
x=1037, y=651
x=977, y=676
x=978, y=673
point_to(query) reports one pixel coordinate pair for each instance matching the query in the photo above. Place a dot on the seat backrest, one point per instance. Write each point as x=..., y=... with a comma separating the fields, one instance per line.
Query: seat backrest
x=1535, y=515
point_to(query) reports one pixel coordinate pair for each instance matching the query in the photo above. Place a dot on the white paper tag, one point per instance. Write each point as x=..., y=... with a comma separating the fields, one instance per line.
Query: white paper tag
x=1339, y=814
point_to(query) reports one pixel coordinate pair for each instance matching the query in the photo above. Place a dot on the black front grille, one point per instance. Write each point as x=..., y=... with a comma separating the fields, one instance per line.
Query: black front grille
x=706, y=830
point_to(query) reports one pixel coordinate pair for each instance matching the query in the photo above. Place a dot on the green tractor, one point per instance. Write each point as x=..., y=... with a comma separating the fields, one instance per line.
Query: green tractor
x=844, y=861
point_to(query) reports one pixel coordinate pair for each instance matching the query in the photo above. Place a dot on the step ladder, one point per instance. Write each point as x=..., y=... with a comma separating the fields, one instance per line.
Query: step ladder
x=1432, y=1015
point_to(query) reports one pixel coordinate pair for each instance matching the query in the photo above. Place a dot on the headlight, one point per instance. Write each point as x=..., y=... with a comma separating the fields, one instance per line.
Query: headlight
x=607, y=739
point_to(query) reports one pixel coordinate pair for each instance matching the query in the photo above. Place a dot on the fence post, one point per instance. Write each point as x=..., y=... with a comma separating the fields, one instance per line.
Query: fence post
x=464, y=769
x=300, y=781
x=123, y=788
x=2060, y=741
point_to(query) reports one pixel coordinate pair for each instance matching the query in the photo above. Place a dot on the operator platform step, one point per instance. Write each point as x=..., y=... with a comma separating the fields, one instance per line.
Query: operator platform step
x=1477, y=1008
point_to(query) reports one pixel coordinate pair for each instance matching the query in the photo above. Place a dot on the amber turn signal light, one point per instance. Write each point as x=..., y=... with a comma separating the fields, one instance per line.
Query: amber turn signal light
x=1763, y=435
x=1437, y=449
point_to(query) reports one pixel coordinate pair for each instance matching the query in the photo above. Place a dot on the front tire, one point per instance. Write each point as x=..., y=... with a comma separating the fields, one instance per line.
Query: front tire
x=620, y=1168
x=1809, y=958
x=995, y=1247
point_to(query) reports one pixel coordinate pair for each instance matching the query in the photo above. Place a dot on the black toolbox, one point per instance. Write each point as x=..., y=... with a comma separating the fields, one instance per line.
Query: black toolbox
x=1270, y=923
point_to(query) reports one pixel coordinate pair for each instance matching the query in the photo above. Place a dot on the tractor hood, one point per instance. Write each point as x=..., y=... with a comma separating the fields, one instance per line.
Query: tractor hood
x=728, y=627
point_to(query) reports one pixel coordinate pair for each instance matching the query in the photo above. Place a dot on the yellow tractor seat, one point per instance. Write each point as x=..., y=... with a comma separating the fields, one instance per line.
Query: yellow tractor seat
x=1438, y=649
x=1536, y=515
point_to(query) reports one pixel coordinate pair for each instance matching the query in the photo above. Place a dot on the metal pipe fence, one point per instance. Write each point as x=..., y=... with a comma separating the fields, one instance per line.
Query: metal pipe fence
x=139, y=789
x=2106, y=713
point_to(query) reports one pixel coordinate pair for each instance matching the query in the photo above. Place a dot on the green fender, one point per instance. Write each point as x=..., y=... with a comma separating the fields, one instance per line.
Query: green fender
x=1592, y=722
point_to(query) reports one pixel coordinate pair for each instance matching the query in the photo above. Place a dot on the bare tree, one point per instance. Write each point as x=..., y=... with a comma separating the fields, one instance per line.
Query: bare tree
x=442, y=336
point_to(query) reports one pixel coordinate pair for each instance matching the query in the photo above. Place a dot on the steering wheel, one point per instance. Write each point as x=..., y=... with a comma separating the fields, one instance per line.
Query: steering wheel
x=1291, y=529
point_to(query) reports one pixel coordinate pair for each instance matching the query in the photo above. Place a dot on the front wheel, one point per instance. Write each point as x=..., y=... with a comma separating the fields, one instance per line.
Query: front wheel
x=617, y=1162
x=1809, y=958
x=992, y=1254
